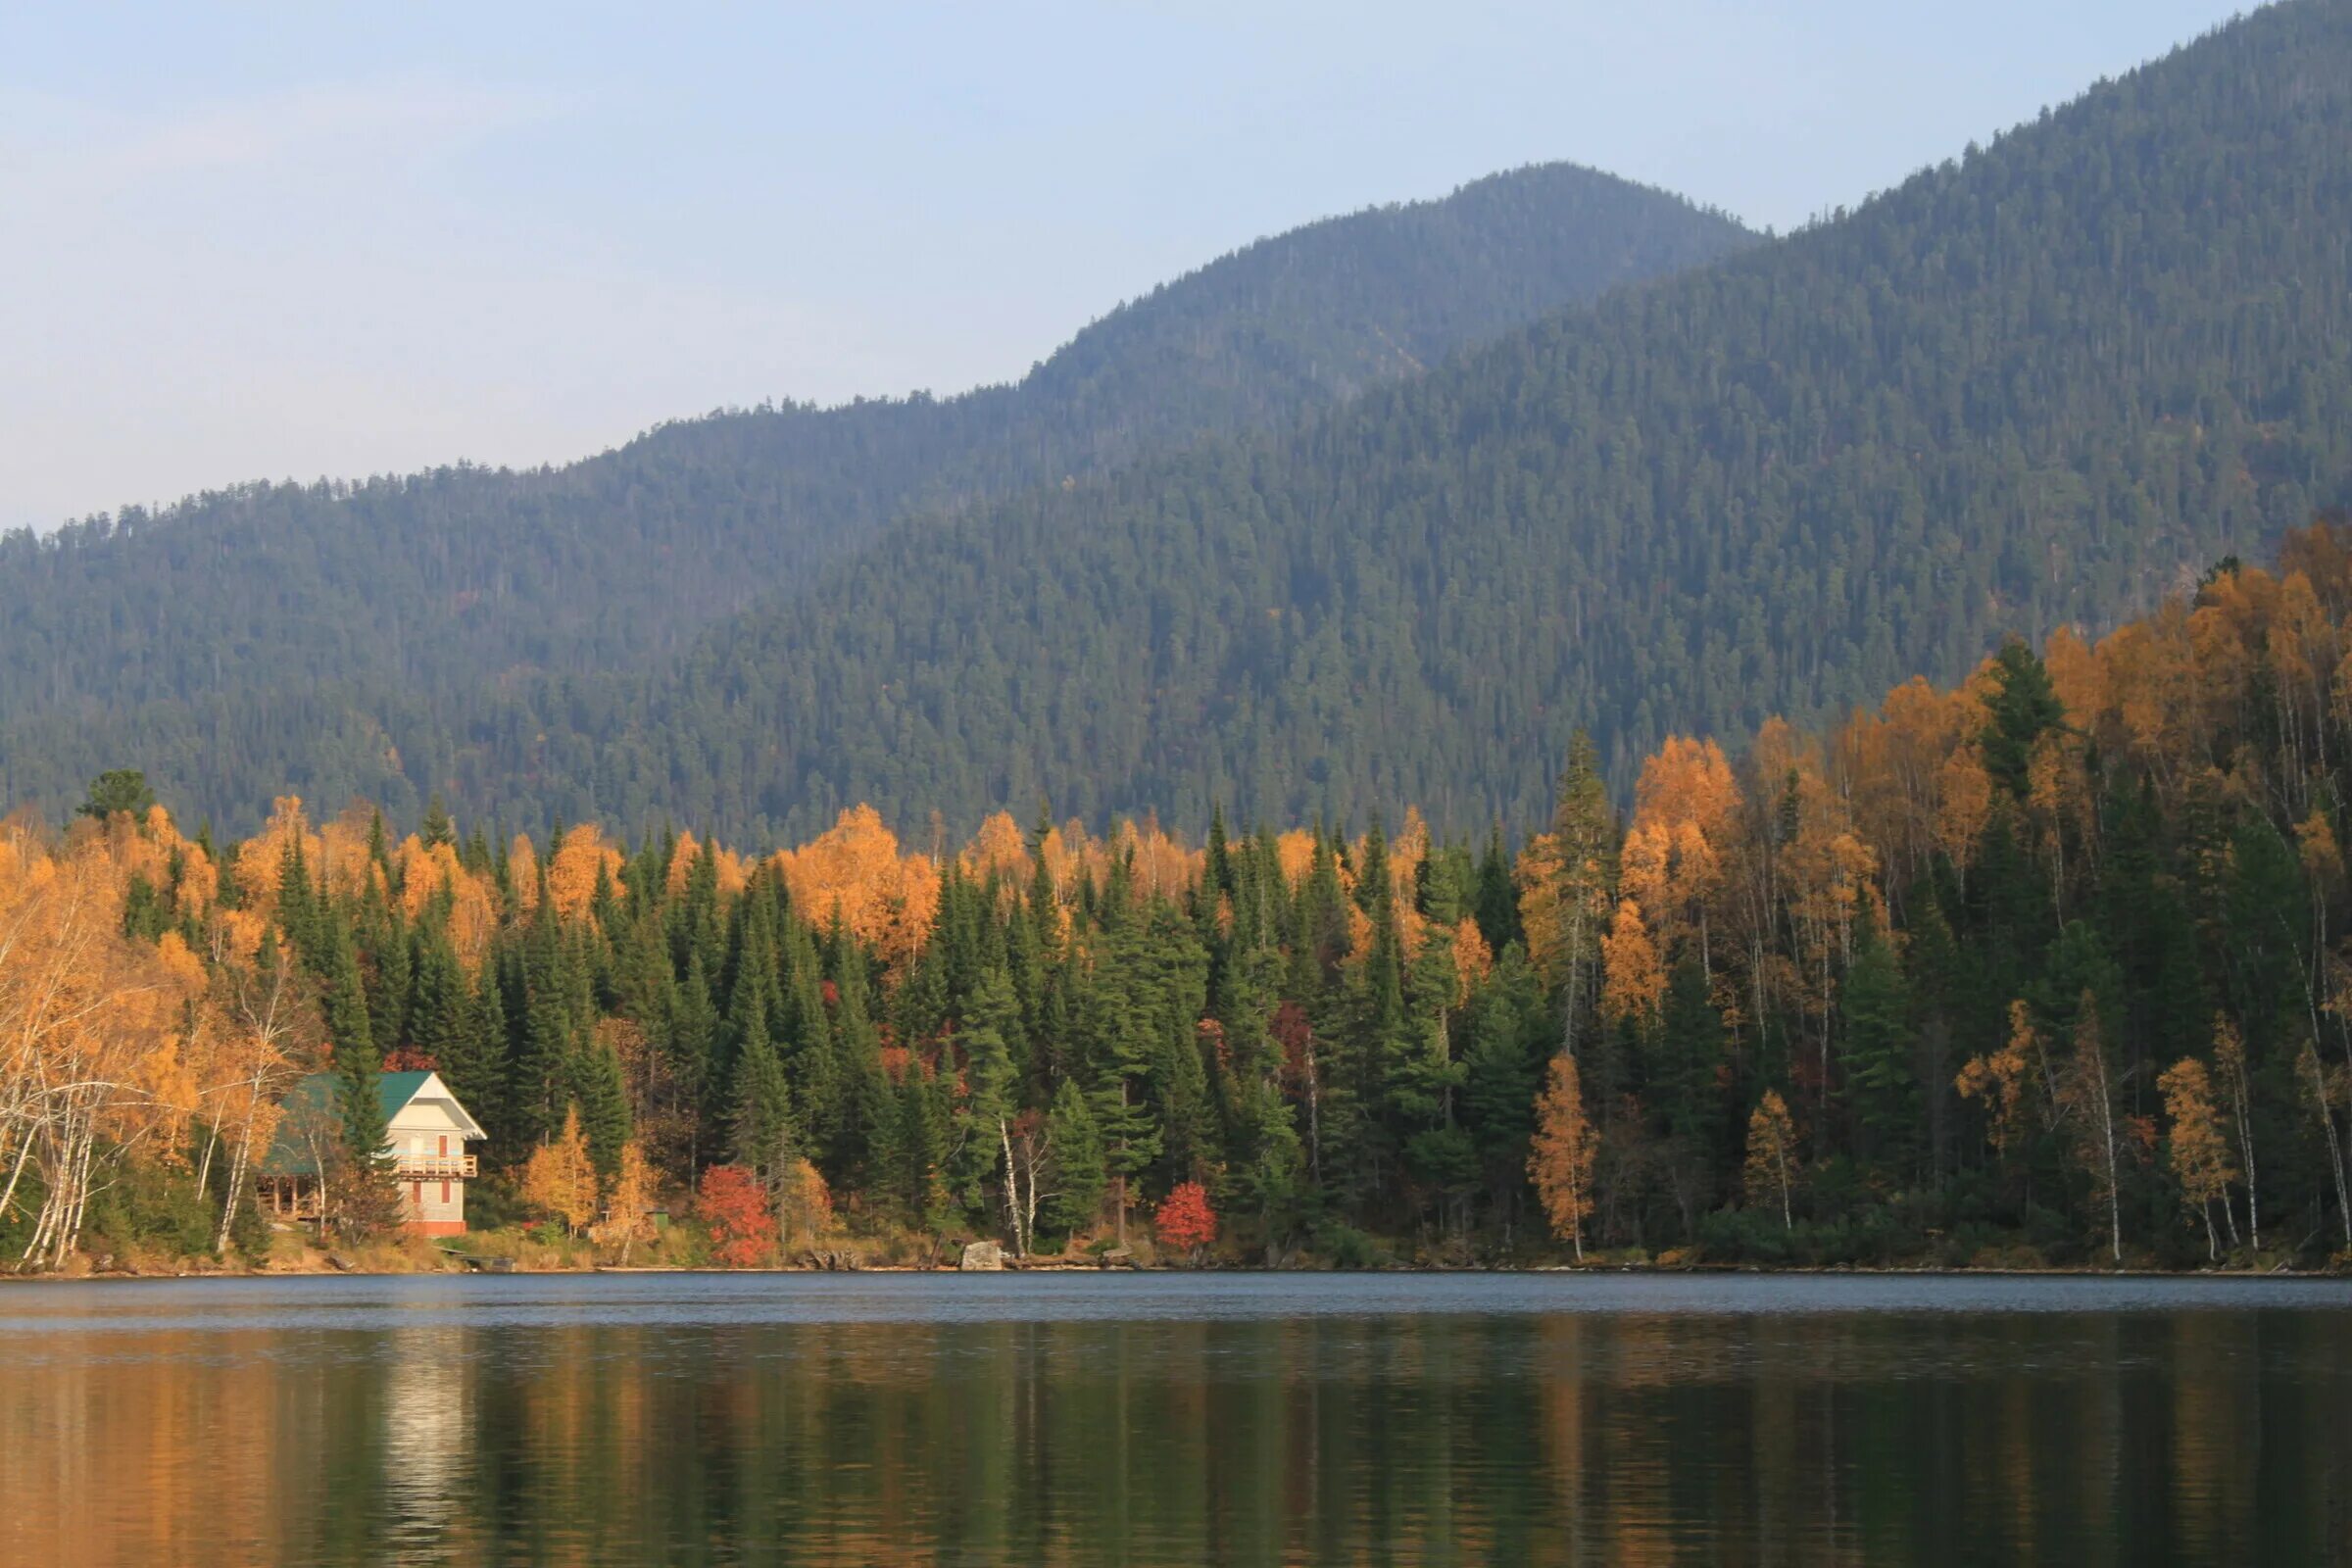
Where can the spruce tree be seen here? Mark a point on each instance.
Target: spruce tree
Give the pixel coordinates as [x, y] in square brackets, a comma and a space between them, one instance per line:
[1882, 1085]
[604, 1101]
[358, 1068]
[761, 1136]
[1078, 1163]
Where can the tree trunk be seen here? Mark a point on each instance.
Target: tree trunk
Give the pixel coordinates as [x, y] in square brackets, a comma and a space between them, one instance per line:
[2114, 1196]
[2336, 1160]
[1012, 1190]
[2245, 1144]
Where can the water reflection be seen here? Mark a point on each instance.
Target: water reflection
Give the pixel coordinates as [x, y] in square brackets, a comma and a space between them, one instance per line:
[428, 1423]
[625, 1420]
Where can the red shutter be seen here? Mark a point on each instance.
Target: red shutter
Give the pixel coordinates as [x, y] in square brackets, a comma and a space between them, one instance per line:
[445, 1192]
[445, 1145]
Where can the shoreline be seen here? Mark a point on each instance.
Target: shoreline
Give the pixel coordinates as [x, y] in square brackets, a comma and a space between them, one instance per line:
[1625, 1270]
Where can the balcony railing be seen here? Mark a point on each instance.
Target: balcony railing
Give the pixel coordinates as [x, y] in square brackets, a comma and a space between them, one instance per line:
[411, 1167]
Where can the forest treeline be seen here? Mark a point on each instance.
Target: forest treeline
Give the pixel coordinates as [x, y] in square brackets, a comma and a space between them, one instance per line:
[345, 639]
[2053, 965]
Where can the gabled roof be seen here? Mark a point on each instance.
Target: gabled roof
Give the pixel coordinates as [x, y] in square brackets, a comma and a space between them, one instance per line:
[400, 1089]
[311, 1107]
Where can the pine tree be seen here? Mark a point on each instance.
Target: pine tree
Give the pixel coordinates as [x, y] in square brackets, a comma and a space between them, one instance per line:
[357, 1066]
[992, 1090]
[761, 1134]
[438, 1026]
[604, 1103]
[479, 1074]
[2022, 708]
[1078, 1163]
[1882, 1085]
[1510, 1039]
[1569, 879]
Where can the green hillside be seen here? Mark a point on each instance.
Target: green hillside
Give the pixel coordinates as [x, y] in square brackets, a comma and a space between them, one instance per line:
[336, 636]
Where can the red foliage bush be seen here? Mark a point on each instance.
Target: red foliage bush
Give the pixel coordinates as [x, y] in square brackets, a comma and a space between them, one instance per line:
[1186, 1221]
[732, 1203]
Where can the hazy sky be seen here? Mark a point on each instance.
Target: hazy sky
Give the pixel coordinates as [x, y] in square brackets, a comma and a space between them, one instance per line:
[278, 240]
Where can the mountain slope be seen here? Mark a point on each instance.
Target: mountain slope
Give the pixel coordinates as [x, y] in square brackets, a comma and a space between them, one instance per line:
[280, 632]
[2033, 385]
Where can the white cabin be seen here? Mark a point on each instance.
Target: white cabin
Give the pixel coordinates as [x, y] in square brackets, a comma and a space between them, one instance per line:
[426, 1138]
[425, 1133]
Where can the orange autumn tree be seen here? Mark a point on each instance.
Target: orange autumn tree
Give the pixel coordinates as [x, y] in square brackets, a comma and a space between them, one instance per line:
[1163, 865]
[1000, 849]
[266, 1035]
[559, 1180]
[1673, 860]
[285, 838]
[1999, 1079]
[628, 1203]
[1801, 872]
[1562, 1159]
[2198, 1150]
[1566, 880]
[578, 865]
[803, 1204]
[1632, 980]
[1770, 1169]
[855, 872]
[97, 1032]
[432, 873]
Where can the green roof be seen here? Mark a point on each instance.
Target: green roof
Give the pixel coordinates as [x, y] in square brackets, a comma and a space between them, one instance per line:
[313, 1101]
[397, 1088]
[309, 1102]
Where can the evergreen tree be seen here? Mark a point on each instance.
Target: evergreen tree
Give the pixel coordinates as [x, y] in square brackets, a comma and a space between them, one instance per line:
[761, 1135]
[1078, 1163]
[2022, 707]
[603, 1102]
[1881, 1083]
[358, 1068]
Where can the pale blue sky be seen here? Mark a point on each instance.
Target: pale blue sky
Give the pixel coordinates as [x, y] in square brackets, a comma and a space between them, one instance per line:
[280, 240]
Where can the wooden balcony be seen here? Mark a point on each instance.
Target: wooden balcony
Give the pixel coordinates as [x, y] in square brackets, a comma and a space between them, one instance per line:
[433, 1167]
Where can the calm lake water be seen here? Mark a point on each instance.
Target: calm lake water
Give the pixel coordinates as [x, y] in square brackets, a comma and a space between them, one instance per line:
[1161, 1418]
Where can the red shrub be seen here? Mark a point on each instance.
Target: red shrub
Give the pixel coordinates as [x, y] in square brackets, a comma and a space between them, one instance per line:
[732, 1203]
[1186, 1221]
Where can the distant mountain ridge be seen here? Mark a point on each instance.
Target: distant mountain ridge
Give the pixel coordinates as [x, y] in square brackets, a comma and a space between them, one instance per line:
[2033, 385]
[281, 635]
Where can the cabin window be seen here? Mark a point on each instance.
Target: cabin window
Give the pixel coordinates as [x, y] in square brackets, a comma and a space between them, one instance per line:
[445, 1192]
[445, 1149]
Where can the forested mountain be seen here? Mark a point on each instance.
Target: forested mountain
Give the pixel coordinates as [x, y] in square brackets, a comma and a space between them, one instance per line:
[329, 635]
[2036, 384]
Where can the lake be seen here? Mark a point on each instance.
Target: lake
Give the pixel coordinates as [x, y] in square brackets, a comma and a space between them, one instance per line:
[1176, 1418]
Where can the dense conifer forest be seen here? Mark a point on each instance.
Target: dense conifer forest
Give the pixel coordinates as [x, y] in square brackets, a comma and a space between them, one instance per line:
[2052, 967]
[348, 638]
